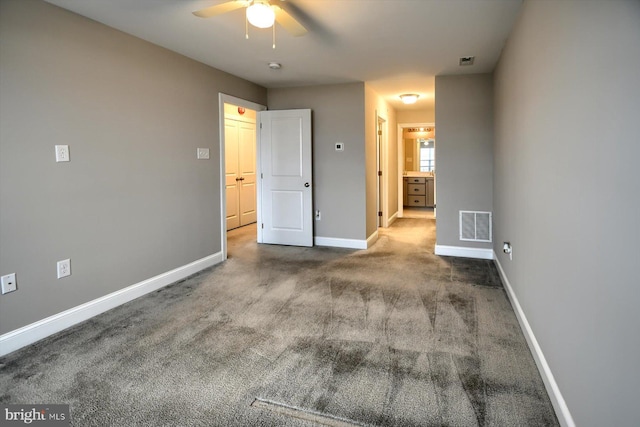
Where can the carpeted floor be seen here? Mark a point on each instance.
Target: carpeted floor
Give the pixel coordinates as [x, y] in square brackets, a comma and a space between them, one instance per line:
[299, 336]
[414, 212]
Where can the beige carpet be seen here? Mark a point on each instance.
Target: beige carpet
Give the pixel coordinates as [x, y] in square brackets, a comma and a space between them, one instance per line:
[413, 212]
[299, 336]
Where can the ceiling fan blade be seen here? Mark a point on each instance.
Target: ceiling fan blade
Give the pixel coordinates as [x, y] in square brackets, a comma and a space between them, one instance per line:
[288, 22]
[219, 9]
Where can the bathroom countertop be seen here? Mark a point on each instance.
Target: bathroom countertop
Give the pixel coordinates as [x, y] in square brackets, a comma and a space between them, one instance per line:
[420, 174]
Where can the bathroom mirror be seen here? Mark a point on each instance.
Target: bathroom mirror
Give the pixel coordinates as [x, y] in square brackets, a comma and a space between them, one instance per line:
[419, 149]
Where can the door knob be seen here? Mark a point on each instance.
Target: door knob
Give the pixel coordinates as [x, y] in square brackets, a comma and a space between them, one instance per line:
[306, 184]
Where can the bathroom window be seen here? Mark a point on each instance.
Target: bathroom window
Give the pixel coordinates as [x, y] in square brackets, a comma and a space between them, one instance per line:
[427, 155]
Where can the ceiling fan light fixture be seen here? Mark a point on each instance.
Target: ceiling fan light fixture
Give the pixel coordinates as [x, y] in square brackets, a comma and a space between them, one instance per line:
[261, 15]
[409, 98]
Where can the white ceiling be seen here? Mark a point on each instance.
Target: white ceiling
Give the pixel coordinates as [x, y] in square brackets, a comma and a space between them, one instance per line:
[396, 46]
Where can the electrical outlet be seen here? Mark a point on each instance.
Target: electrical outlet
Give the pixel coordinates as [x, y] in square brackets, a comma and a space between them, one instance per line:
[318, 215]
[508, 249]
[9, 283]
[203, 153]
[339, 146]
[64, 268]
[62, 153]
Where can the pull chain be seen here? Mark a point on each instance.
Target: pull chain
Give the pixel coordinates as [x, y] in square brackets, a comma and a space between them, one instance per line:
[274, 35]
[246, 26]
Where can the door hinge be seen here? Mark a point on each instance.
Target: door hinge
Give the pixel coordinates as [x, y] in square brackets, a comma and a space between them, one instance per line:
[379, 213]
[379, 173]
[379, 133]
[260, 125]
[262, 225]
[261, 176]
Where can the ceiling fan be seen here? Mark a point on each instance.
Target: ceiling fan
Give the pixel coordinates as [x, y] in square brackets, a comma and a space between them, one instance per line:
[260, 13]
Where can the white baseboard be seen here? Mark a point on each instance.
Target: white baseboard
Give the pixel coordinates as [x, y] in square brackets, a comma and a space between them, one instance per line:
[463, 252]
[372, 239]
[393, 219]
[336, 242]
[36, 331]
[558, 402]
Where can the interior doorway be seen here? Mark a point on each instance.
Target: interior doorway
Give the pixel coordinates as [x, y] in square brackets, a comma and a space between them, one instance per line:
[381, 182]
[417, 168]
[232, 103]
[240, 165]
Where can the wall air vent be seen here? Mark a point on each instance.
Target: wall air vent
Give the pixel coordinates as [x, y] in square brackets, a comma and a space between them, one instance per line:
[475, 226]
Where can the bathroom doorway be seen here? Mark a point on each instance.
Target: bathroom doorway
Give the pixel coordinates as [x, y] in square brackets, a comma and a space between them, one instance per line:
[416, 163]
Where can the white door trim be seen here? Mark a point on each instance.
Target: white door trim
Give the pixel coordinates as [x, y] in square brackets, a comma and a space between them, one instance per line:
[383, 165]
[229, 99]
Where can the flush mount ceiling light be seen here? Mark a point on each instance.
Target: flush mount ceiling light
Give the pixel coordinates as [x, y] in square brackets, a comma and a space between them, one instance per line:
[409, 98]
[275, 65]
[261, 15]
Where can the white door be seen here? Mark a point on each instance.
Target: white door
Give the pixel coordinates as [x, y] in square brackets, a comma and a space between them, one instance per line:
[240, 169]
[232, 181]
[285, 185]
[247, 169]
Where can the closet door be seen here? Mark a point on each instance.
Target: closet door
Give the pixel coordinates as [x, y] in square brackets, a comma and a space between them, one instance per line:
[247, 172]
[232, 184]
[240, 169]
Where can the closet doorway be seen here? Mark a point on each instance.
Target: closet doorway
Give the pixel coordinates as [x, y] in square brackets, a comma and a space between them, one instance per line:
[240, 165]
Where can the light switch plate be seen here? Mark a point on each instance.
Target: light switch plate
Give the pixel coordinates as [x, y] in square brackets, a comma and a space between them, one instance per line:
[203, 153]
[339, 146]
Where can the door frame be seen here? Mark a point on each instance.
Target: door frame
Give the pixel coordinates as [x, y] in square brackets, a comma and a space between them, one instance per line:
[401, 160]
[382, 180]
[223, 98]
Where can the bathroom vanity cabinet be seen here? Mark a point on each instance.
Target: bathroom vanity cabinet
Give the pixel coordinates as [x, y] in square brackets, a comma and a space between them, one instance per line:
[418, 191]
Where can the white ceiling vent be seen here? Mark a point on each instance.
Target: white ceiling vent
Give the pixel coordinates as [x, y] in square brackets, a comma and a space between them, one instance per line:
[475, 226]
[467, 60]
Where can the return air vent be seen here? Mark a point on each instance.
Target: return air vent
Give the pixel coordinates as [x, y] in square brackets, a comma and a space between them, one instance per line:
[475, 226]
[467, 60]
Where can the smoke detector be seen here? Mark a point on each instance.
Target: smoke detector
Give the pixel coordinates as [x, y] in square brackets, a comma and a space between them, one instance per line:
[275, 65]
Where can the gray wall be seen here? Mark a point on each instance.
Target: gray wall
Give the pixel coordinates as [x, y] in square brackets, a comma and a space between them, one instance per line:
[133, 202]
[464, 154]
[417, 116]
[338, 177]
[567, 195]
[371, 160]
[375, 106]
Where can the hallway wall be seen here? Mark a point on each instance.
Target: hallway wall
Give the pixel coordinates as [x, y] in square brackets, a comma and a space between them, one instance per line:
[375, 106]
[566, 196]
[417, 116]
[464, 153]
